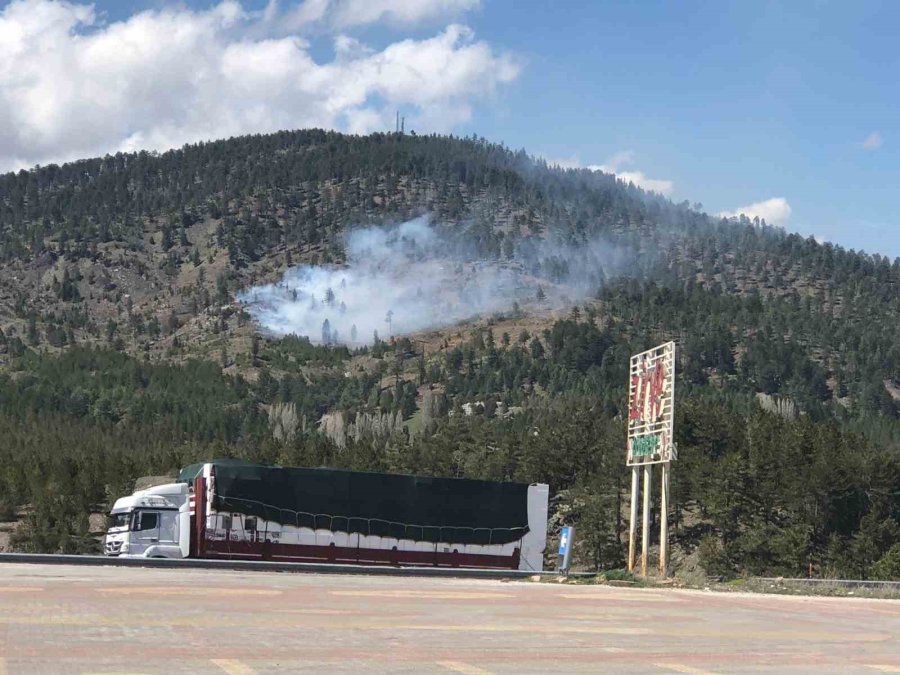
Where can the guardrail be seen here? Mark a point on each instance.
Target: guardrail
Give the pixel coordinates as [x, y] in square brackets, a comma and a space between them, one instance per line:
[843, 583]
[269, 566]
[384, 570]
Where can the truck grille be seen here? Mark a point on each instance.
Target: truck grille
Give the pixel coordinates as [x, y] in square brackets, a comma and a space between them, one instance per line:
[112, 547]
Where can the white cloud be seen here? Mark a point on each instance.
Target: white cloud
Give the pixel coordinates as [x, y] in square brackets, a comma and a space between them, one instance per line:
[300, 15]
[639, 178]
[662, 186]
[873, 141]
[358, 12]
[613, 164]
[342, 14]
[566, 162]
[72, 86]
[774, 211]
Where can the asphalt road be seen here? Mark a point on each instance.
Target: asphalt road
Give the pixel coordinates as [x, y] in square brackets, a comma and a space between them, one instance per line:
[61, 619]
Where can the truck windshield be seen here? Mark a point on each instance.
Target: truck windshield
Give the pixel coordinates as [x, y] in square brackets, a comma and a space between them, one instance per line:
[119, 520]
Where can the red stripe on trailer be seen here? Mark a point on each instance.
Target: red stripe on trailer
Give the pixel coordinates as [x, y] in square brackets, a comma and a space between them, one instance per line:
[198, 534]
[267, 550]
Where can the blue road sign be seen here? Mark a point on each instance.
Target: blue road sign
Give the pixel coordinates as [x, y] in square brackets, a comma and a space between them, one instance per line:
[564, 538]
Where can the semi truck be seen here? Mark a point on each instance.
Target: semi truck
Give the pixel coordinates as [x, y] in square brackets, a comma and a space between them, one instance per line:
[234, 510]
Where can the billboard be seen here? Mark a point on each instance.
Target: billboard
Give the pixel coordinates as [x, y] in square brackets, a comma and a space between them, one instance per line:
[651, 406]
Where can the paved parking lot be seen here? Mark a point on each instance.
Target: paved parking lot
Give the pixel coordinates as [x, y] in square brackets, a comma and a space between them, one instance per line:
[60, 619]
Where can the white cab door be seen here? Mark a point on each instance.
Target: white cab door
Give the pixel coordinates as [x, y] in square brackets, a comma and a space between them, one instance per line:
[146, 530]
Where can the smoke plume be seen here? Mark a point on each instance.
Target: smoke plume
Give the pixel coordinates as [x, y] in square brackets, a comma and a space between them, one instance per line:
[409, 278]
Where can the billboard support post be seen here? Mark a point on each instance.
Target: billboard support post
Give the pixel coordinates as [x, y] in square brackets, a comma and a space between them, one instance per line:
[651, 440]
[632, 524]
[645, 527]
[664, 520]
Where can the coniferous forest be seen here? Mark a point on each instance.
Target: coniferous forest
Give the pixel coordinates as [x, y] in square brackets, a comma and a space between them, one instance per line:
[125, 352]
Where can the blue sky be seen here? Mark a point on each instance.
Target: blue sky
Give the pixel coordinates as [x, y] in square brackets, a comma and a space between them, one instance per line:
[735, 103]
[726, 104]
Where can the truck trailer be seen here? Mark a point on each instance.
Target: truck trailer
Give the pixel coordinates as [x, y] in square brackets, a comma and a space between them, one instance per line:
[234, 510]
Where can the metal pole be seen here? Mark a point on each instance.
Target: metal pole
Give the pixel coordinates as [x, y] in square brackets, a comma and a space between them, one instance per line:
[632, 524]
[645, 531]
[664, 521]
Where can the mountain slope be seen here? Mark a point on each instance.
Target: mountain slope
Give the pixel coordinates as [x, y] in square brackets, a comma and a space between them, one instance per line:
[127, 249]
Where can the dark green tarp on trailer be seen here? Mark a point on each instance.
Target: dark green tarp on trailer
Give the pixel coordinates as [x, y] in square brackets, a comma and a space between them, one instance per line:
[405, 507]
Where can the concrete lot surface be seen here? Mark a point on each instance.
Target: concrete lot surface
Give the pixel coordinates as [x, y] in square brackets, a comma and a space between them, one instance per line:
[60, 619]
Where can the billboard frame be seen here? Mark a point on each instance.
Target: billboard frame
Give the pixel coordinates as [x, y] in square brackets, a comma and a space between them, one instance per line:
[651, 415]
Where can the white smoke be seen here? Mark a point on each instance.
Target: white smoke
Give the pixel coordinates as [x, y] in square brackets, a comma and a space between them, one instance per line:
[397, 280]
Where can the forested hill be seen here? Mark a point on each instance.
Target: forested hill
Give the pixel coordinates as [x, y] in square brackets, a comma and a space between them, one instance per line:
[123, 350]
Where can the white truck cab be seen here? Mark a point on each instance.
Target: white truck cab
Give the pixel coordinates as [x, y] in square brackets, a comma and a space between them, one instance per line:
[151, 523]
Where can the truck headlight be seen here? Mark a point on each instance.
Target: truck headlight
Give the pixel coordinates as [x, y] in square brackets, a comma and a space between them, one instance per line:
[124, 548]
